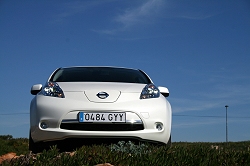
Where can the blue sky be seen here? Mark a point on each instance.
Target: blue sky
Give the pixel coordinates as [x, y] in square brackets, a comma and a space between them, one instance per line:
[200, 50]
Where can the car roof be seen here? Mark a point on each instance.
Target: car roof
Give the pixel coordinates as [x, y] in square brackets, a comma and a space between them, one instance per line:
[99, 66]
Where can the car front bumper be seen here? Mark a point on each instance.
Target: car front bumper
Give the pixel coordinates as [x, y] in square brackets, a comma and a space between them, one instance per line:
[53, 112]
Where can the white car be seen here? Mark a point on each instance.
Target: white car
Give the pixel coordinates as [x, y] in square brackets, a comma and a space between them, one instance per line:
[99, 102]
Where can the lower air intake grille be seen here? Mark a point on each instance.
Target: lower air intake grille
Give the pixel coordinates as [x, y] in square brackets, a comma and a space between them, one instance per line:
[101, 127]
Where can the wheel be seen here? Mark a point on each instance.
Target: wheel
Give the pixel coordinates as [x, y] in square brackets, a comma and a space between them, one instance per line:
[34, 147]
[169, 142]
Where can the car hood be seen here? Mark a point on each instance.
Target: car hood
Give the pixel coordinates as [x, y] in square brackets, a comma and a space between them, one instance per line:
[101, 91]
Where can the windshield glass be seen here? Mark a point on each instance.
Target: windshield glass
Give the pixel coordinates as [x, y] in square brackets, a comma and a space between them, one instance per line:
[99, 74]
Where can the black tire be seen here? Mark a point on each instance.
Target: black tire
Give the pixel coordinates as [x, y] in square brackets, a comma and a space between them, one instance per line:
[34, 147]
[169, 144]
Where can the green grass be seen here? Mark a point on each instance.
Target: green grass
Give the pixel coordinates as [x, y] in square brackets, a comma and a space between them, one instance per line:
[127, 153]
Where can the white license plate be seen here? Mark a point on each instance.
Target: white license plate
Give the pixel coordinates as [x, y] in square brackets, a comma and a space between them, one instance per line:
[102, 117]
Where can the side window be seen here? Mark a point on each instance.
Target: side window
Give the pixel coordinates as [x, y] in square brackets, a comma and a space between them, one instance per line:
[58, 76]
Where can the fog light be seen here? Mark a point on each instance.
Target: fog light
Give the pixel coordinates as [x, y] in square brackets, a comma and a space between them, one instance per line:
[159, 126]
[43, 125]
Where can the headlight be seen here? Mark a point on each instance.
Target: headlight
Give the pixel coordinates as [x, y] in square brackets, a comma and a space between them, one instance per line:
[52, 89]
[150, 91]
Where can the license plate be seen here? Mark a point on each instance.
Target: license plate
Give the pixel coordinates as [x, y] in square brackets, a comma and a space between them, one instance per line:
[102, 117]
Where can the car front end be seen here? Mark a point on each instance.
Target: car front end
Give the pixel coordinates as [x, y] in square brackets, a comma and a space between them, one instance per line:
[63, 110]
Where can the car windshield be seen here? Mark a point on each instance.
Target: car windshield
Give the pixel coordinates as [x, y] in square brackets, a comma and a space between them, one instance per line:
[99, 74]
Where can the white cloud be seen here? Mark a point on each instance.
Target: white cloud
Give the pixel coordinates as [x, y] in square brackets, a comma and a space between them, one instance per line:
[141, 14]
[193, 10]
[218, 90]
[75, 7]
[16, 120]
[146, 13]
[193, 104]
[198, 122]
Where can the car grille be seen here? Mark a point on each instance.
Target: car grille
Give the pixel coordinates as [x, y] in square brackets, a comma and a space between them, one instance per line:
[101, 126]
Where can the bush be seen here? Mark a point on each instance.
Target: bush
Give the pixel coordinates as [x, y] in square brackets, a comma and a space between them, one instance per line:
[9, 144]
[128, 153]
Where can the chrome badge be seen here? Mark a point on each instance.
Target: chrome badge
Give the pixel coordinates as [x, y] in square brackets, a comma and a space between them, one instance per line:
[102, 95]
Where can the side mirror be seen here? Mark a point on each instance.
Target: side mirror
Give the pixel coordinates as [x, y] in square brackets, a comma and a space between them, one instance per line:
[164, 91]
[36, 89]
